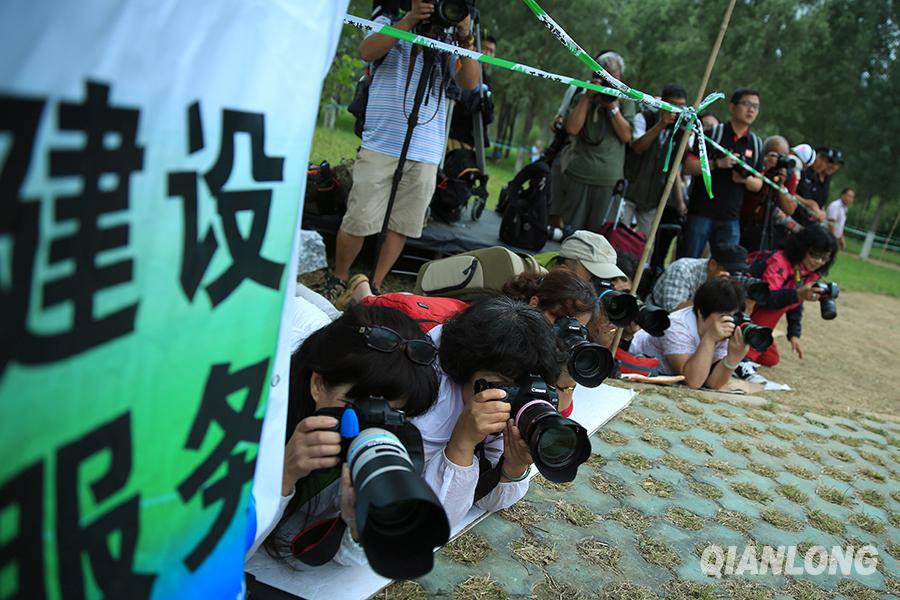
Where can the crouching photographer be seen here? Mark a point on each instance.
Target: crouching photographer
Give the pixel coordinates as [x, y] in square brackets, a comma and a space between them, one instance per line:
[704, 343]
[495, 412]
[792, 275]
[352, 487]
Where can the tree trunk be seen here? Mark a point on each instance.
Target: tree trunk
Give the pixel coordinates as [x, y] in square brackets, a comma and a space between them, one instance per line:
[870, 235]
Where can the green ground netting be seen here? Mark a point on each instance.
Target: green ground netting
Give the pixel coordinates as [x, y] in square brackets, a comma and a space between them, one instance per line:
[670, 476]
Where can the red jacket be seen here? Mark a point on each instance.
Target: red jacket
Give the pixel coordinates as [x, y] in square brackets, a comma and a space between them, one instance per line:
[783, 279]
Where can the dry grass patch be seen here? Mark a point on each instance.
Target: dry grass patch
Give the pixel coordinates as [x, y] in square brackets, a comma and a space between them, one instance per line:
[672, 422]
[685, 589]
[553, 486]
[612, 437]
[535, 551]
[782, 434]
[872, 458]
[655, 440]
[679, 464]
[657, 552]
[804, 590]
[872, 498]
[792, 493]
[721, 467]
[800, 472]
[706, 490]
[872, 475]
[751, 492]
[824, 522]
[847, 440]
[807, 453]
[684, 407]
[762, 470]
[697, 445]
[867, 523]
[576, 514]
[656, 405]
[634, 461]
[857, 591]
[744, 589]
[599, 553]
[737, 447]
[682, 517]
[816, 437]
[596, 461]
[761, 416]
[655, 487]
[479, 588]
[838, 474]
[469, 548]
[611, 486]
[835, 496]
[892, 549]
[747, 429]
[841, 455]
[781, 520]
[894, 518]
[633, 417]
[735, 520]
[523, 513]
[630, 518]
[625, 590]
[773, 450]
[553, 589]
[402, 590]
[713, 426]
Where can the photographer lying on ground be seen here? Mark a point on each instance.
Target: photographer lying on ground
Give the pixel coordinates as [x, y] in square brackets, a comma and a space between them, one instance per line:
[791, 274]
[369, 351]
[702, 342]
[467, 433]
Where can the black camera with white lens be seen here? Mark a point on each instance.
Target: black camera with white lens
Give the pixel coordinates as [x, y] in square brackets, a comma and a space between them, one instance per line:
[400, 520]
[557, 444]
[589, 363]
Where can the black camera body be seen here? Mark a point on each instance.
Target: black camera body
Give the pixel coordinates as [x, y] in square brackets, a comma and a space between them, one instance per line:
[741, 170]
[589, 363]
[400, 520]
[557, 444]
[753, 288]
[784, 162]
[758, 337]
[621, 308]
[828, 294]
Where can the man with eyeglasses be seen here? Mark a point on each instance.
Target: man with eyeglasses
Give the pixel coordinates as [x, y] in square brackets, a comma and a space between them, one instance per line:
[717, 220]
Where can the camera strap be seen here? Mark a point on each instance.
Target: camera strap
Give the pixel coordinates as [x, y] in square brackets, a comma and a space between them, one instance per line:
[488, 475]
[318, 543]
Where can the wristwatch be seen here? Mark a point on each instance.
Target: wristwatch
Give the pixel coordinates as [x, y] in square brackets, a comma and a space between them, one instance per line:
[613, 111]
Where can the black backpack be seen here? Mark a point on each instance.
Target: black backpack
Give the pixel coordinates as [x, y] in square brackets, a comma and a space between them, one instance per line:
[526, 205]
[459, 180]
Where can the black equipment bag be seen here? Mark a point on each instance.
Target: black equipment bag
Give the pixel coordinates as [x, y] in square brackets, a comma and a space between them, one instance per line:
[526, 205]
[327, 189]
[459, 180]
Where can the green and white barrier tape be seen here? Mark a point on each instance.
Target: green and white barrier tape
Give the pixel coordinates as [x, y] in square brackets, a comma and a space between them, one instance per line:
[687, 115]
[427, 42]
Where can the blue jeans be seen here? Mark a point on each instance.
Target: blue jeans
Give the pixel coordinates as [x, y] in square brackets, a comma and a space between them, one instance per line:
[699, 230]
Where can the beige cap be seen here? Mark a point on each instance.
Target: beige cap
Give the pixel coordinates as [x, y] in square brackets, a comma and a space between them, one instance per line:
[594, 252]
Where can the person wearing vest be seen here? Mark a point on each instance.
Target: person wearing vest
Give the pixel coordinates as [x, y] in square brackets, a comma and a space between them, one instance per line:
[717, 219]
[791, 273]
[644, 162]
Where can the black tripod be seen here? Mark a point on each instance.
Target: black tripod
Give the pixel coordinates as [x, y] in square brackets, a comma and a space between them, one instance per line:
[429, 56]
[767, 233]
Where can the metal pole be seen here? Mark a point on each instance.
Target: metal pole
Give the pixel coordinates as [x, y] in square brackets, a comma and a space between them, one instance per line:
[676, 162]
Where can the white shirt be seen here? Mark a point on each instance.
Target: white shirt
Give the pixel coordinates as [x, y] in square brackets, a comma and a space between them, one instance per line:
[837, 217]
[681, 337]
[455, 485]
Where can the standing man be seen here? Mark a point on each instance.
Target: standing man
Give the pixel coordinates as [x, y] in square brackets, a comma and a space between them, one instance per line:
[645, 159]
[717, 220]
[594, 160]
[390, 101]
[469, 103]
[837, 215]
[815, 182]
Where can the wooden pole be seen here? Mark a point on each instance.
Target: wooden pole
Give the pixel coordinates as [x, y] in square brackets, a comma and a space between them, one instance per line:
[676, 162]
[887, 240]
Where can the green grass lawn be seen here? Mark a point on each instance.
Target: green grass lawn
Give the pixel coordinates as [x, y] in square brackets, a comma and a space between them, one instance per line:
[852, 273]
[855, 247]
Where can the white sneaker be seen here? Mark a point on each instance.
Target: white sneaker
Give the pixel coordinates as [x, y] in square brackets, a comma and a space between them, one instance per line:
[747, 371]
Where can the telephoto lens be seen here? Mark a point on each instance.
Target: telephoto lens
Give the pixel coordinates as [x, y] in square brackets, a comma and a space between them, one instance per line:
[400, 520]
[757, 337]
[829, 293]
[557, 444]
[621, 308]
[653, 319]
[755, 289]
[589, 363]
[449, 13]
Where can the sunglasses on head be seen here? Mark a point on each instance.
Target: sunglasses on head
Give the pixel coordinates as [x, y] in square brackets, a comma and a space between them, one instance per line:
[385, 339]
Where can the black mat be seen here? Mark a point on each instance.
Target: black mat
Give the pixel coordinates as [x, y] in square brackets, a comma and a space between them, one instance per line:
[441, 239]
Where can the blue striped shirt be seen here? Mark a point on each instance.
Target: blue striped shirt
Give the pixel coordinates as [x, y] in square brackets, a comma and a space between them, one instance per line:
[385, 126]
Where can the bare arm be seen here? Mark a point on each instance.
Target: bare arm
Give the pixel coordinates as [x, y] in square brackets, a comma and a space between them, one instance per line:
[576, 118]
[692, 166]
[620, 124]
[376, 46]
[695, 367]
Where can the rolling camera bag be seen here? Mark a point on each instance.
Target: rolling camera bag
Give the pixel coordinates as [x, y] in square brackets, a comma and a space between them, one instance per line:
[459, 180]
[621, 237]
[485, 268]
[526, 206]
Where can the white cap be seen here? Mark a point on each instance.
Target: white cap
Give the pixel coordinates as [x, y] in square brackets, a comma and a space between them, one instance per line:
[805, 153]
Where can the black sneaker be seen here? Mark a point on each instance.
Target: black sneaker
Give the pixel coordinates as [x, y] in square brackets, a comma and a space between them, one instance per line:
[332, 288]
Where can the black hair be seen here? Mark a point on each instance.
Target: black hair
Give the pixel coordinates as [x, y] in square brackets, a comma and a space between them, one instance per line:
[627, 263]
[812, 238]
[489, 38]
[845, 190]
[673, 90]
[719, 295]
[708, 113]
[741, 92]
[561, 293]
[338, 352]
[501, 335]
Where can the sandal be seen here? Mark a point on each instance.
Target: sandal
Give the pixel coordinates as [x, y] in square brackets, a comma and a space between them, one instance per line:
[346, 297]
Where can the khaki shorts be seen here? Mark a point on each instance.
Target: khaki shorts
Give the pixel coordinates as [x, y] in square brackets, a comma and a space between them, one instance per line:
[372, 176]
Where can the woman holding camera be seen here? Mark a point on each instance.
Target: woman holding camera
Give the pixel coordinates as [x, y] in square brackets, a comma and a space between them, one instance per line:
[474, 453]
[368, 351]
[791, 274]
